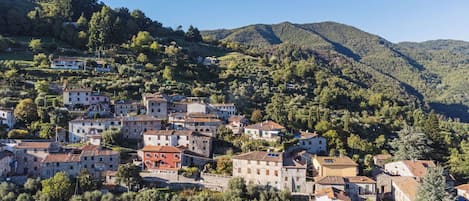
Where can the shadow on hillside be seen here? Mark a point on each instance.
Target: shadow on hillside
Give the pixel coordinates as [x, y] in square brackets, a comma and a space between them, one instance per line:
[454, 110]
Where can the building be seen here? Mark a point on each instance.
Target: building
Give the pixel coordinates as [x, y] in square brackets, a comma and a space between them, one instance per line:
[7, 118]
[30, 154]
[156, 158]
[331, 194]
[463, 192]
[127, 108]
[206, 124]
[191, 140]
[80, 129]
[68, 63]
[357, 188]
[409, 168]
[267, 130]
[93, 158]
[237, 123]
[133, 127]
[224, 110]
[156, 105]
[334, 166]
[83, 96]
[311, 143]
[404, 188]
[259, 168]
[197, 107]
[381, 159]
[6, 163]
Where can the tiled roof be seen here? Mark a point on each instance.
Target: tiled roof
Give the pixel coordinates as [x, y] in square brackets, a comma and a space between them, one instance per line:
[333, 193]
[163, 149]
[382, 156]
[266, 126]
[79, 90]
[169, 132]
[330, 180]
[236, 118]
[96, 150]
[222, 104]
[98, 120]
[201, 115]
[204, 120]
[141, 118]
[308, 134]
[360, 179]
[408, 186]
[463, 187]
[335, 161]
[418, 167]
[33, 145]
[261, 156]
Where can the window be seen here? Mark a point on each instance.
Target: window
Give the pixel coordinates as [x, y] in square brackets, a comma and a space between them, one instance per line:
[71, 167]
[239, 170]
[258, 171]
[276, 172]
[320, 142]
[286, 178]
[92, 158]
[86, 158]
[148, 155]
[57, 164]
[100, 159]
[267, 172]
[249, 170]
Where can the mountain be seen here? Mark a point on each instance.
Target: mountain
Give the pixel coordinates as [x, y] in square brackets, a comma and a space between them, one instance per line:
[423, 68]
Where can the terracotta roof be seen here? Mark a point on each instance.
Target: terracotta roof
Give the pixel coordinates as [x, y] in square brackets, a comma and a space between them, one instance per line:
[333, 161]
[308, 134]
[261, 156]
[418, 167]
[333, 193]
[141, 118]
[79, 90]
[222, 104]
[407, 185]
[330, 180]
[360, 179]
[463, 187]
[163, 149]
[169, 132]
[205, 120]
[125, 102]
[201, 115]
[382, 156]
[266, 125]
[156, 99]
[62, 158]
[236, 118]
[110, 173]
[33, 145]
[96, 150]
[98, 120]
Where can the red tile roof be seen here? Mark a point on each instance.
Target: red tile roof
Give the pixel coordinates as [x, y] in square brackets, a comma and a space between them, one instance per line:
[418, 167]
[360, 179]
[330, 180]
[62, 158]
[162, 149]
[408, 186]
[261, 156]
[33, 145]
[333, 193]
[169, 132]
[266, 126]
[463, 187]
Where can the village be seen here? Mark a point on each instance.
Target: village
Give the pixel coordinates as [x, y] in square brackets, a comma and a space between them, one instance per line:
[175, 138]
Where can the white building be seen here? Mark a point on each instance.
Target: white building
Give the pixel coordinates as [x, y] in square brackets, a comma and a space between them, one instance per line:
[156, 105]
[80, 129]
[271, 169]
[311, 143]
[224, 110]
[237, 123]
[409, 168]
[267, 130]
[7, 118]
[404, 188]
[463, 192]
[190, 140]
[197, 107]
[68, 63]
[83, 96]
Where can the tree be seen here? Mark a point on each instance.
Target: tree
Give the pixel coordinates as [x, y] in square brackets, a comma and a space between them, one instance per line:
[86, 181]
[100, 29]
[47, 131]
[168, 73]
[35, 45]
[26, 111]
[433, 186]
[153, 194]
[41, 60]
[236, 189]
[24, 197]
[193, 34]
[225, 166]
[256, 116]
[82, 22]
[129, 174]
[142, 40]
[432, 129]
[459, 160]
[32, 185]
[58, 187]
[142, 58]
[112, 136]
[42, 86]
[411, 145]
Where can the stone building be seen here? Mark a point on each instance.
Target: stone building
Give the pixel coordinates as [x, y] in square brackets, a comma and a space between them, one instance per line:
[7, 118]
[133, 127]
[191, 140]
[30, 154]
[80, 129]
[156, 105]
[126, 108]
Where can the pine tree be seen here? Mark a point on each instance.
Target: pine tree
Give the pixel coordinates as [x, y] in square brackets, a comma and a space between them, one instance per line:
[411, 145]
[433, 186]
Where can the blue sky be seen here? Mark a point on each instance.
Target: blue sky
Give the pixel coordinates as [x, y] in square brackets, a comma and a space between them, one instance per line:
[395, 20]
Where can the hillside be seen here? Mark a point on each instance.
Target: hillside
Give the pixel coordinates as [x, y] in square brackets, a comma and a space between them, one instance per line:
[417, 66]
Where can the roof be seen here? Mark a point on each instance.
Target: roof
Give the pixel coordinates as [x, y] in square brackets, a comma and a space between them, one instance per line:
[33, 145]
[360, 179]
[121, 102]
[141, 118]
[261, 156]
[382, 156]
[330, 180]
[78, 90]
[169, 132]
[407, 185]
[223, 104]
[463, 187]
[62, 158]
[82, 120]
[162, 149]
[333, 193]
[335, 161]
[236, 118]
[205, 120]
[96, 150]
[418, 168]
[201, 115]
[266, 125]
[156, 99]
[308, 134]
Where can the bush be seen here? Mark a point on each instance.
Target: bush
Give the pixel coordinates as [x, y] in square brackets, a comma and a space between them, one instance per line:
[41, 60]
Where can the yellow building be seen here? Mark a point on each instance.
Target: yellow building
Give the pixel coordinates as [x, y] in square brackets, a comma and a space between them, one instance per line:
[334, 166]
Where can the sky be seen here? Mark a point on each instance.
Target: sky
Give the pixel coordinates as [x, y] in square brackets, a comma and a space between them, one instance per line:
[394, 20]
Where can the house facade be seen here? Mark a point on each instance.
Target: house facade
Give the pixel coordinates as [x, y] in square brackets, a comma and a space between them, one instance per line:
[267, 130]
[156, 105]
[68, 63]
[191, 140]
[133, 127]
[334, 166]
[30, 154]
[126, 108]
[83, 96]
[80, 129]
[7, 118]
[237, 123]
[6, 162]
[157, 158]
[224, 110]
[311, 143]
